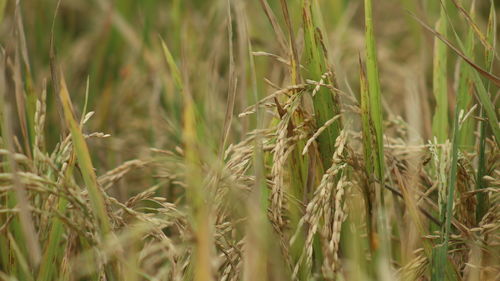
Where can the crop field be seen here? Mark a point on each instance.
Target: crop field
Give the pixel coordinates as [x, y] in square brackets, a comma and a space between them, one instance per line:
[253, 140]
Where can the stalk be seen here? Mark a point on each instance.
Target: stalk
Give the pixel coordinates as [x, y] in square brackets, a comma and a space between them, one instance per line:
[375, 130]
[88, 173]
[368, 145]
[440, 132]
[482, 202]
[439, 82]
[465, 91]
[325, 102]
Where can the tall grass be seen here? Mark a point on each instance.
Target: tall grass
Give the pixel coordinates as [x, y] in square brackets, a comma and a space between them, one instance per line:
[249, 140]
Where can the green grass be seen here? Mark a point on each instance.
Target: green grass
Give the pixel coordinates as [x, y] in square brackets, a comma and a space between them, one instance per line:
[482, 198]
[326, 104]
[440, 80]
[373, 144]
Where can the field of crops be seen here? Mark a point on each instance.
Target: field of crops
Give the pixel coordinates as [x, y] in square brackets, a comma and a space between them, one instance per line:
[251, 140]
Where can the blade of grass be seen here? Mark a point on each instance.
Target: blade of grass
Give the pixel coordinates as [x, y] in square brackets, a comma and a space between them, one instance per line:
[89, 177]
[325, 102]
[440, 125]
[441, 255]
[176, 74]
[20, 227]
[53, 253]
[374, 92]
[14, 65]
[298, 163]
[482, 202]
[382, 254]
[441, 267]
[368, 141]
[202, 260]
[368, 144]
[440, 82]
[465, 90]
[23, 227]
[28, 81]
[488, 106]
[84, 161]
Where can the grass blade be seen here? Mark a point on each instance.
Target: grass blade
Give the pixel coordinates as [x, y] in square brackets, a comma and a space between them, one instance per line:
[465, 92]
[369, 143]
[482, 202]
[377, 147]
[176, 74]
[325, 102]
[374, 93]
[440, 82]
[84, 161]
[89, 177]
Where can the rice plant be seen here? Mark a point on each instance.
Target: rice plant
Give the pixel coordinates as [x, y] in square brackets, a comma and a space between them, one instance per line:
[249, 140]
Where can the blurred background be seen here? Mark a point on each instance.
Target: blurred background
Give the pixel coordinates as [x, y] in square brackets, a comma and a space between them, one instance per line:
[115, 45]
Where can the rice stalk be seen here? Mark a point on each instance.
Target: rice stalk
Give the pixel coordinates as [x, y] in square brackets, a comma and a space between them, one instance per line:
[382, 254]
[325, 102]
[85, 163]
[465, 90]
[440, 80]
[483, 96]
[482, 204]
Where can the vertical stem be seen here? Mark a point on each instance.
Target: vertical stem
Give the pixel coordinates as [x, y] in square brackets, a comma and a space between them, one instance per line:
[378, 145]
